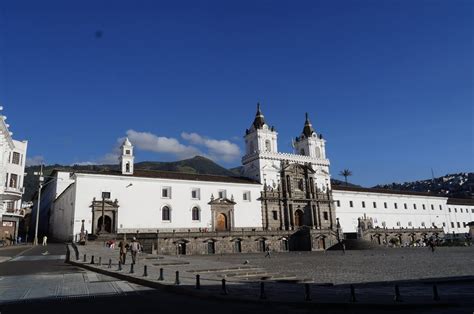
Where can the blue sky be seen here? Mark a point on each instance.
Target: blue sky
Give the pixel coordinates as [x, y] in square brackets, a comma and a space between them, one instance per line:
[388, 83]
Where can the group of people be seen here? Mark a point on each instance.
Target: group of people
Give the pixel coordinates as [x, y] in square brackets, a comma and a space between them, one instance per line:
[134, 247]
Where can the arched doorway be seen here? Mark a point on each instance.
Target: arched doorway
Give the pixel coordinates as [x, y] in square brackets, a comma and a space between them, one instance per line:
[221, 222]
[107, 226]
[298, 218]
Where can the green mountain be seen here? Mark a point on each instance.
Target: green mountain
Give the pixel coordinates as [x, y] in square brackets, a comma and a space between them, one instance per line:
[198, 164]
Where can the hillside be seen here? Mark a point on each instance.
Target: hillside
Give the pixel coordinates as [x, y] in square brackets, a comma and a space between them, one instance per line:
[460, 185]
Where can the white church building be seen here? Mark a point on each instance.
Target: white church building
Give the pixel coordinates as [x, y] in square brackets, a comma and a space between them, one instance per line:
[281, 198]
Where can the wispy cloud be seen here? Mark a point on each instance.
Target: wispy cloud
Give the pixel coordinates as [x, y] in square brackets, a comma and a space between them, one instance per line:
[34, 161]
[217, 149]
[196, 144]
[160, 144]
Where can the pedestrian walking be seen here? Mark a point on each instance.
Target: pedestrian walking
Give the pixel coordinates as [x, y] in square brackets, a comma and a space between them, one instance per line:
[45, 240]
[123, 247]
[267, 251]
[135, 247]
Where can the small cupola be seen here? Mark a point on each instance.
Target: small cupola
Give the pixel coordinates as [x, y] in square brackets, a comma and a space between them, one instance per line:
[127, 158]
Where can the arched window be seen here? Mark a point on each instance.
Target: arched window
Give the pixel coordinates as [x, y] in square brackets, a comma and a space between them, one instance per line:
[318, 152]
[196, 214]
[268, 146]
[302, 151]
[166, 213]
[127, 167]
[251, 148]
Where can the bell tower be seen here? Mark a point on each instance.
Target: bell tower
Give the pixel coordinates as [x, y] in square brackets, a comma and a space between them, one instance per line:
[309, 143]
[260, 140]
[126, 159]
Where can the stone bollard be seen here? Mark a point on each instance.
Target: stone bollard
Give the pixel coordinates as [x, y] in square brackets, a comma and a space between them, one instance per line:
[110, 263]
[161, 277]
[397, 297]
[198, 281]
[307, 292]
[119, 266]
[85, 257]
[435, 293]
[263, 295]
[353, 295]
[176, 281]
[92, 260]
[131, 269]
[224, 287]
[100, 261]
[68, 254]
[145, 271]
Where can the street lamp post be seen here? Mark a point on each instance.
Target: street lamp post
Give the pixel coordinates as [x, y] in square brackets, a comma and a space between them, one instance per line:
[41, 179]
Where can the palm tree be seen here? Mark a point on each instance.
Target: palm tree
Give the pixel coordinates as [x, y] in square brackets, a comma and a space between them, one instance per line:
[345, 173]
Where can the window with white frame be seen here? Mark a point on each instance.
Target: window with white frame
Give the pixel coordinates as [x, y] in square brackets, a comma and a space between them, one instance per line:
[166, 213]
[196, 194]
[432, 207]
[414, 206]
[422, 224]
[196, 213]
[222, 194]
[16, 158]
[166, 192]
[351, 204]
[375, 204]
[338, 203]
[13, 181]
[246, 196]
[398, 223]
[395, 205]
[409, 224]
[385, 204]
[423, 205]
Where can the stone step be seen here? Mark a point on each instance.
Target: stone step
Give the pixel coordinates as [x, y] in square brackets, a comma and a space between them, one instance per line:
[227, 269]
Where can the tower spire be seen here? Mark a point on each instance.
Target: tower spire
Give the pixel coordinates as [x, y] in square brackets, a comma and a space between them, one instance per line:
[259, 121]
[308, 127]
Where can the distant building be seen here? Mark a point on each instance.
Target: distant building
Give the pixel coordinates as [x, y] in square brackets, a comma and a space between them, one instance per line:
[12, 169]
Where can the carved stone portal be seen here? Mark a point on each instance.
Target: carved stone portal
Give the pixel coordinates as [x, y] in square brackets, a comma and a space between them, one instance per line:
[222, 210]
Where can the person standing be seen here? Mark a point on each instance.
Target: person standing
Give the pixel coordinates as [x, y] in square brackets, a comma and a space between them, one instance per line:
[135, 247]
[45, 240]
[123, 251]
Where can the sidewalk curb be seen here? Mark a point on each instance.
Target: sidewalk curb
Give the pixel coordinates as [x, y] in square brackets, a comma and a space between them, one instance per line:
[190, 291]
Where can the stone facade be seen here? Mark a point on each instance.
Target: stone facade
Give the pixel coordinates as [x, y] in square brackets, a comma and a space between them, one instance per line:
[200, 243]
[396, 236]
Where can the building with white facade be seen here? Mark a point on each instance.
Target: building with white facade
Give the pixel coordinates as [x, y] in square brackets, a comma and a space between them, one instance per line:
[12, 169]
[282, 199]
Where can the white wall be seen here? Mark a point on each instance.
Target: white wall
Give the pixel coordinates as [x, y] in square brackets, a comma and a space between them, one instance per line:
[62, 216]
[459, 216]
[400, 217]
[140, 204]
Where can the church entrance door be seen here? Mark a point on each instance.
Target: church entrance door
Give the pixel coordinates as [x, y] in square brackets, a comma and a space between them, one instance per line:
[221, 223]
[298, 218]
[107, 226]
